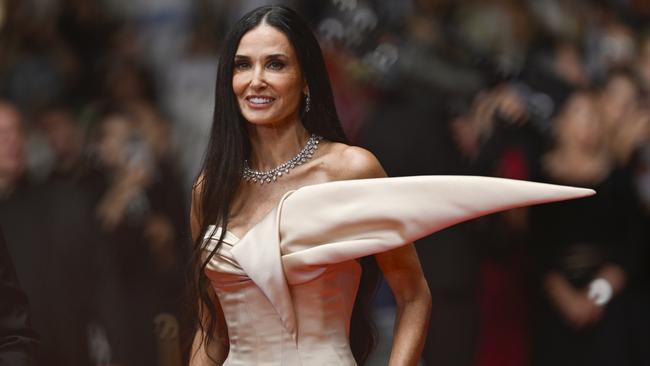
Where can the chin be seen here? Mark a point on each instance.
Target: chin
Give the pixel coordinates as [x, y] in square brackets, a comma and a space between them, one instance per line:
[261, 119]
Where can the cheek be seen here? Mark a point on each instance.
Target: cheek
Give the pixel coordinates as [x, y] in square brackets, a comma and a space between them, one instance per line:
[238, 84]
[290, 87]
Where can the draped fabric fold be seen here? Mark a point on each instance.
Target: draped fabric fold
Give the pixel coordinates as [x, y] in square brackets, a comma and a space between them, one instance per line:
[263, 264]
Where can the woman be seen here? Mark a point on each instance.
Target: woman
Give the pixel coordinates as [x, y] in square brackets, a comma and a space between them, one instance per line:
[275, 243]
[584, 249]
[272, 83]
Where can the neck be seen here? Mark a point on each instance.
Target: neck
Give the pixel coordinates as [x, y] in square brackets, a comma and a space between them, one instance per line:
[273, 145]
[66, 163]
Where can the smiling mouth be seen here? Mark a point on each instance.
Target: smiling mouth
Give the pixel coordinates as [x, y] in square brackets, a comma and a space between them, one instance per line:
[259, 100]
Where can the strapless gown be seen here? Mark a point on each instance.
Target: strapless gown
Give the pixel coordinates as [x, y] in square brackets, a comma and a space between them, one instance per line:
[287, 287]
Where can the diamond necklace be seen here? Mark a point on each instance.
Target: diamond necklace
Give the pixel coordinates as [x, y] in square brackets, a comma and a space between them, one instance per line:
[272, 175]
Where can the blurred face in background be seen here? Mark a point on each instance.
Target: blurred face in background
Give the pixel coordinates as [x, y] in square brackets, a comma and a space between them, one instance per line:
[618, 98]
[579, 124]
[112, 146]
[64, 136]
[125, 83]
[11, 142]
[267, 80]
[568, 64]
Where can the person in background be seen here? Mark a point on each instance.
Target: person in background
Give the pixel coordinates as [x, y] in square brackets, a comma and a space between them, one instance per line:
[584, 250]
[50, 239]
[65, 138]
[138, 238]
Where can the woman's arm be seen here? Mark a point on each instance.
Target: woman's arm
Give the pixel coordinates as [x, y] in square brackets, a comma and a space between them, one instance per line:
[218, 349]
[403, 273]
[575, 305]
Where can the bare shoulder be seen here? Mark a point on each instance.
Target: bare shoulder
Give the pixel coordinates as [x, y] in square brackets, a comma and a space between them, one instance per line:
[353, 162]
[197, 187]
[197, 193]
[195, 207]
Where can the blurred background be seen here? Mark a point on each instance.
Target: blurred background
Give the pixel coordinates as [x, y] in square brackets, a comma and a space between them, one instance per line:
[105, 109]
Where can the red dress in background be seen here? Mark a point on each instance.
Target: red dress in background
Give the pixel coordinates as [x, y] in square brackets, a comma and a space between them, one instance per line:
[503, 297]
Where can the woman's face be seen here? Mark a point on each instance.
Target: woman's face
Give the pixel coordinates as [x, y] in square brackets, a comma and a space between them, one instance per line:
[618, 98]
[267, 80]
[580, 123]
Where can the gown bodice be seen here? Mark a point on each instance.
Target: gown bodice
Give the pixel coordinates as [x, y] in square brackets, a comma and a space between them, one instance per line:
[323, 308]
[287, 287]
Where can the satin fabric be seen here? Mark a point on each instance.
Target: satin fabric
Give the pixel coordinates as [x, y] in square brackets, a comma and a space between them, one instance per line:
[256, 333]
[287, 287]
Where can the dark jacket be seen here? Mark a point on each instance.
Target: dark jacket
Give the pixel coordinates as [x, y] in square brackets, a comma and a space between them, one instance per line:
[18, 341]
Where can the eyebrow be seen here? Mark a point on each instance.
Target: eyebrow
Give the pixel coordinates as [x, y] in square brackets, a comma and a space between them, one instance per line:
[271, 56]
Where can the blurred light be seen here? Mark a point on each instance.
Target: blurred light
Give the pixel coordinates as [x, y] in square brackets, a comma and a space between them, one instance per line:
[382, 57]
[619, 48]
[365, 19]
[344, 5]
[331, 29]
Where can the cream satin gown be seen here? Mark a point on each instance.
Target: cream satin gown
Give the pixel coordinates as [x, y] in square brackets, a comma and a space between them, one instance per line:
[287, 287]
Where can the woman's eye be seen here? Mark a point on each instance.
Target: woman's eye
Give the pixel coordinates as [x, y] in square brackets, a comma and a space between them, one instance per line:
[242, 65]
[275, 65]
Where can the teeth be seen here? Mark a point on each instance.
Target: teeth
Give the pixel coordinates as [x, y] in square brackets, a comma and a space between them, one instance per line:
[260, 100]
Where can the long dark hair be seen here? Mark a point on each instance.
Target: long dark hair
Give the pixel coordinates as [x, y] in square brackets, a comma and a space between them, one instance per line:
[229, 146]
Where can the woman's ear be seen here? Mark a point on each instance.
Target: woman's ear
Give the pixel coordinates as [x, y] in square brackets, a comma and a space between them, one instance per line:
[305, 89]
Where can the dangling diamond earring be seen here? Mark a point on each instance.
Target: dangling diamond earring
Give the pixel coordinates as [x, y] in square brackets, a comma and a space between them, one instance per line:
[307, 101]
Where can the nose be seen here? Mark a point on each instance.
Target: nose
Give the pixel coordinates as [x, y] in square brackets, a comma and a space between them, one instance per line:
[258, 80]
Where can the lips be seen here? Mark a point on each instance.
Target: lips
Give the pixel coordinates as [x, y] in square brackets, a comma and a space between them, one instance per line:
[259, 100]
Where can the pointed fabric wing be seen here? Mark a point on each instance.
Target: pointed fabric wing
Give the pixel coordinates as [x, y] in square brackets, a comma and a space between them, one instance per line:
[339, 221]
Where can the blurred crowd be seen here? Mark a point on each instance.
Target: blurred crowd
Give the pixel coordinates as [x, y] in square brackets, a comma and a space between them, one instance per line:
[105, 108]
